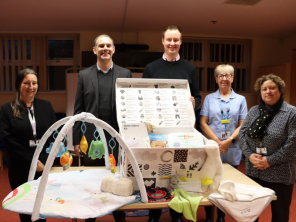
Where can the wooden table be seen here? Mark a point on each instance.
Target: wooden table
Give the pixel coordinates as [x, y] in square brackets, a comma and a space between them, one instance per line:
[230, 173]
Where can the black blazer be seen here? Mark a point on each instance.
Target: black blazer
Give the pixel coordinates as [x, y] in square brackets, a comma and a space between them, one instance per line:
[87, 97]
[16, 133]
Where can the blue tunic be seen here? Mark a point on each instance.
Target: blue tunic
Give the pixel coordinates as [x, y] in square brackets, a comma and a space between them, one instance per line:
[238, 111]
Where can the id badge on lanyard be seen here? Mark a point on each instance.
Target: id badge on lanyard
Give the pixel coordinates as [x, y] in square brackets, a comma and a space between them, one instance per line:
[261, 150]
[33, 143]
[225, 120]
[225, 135]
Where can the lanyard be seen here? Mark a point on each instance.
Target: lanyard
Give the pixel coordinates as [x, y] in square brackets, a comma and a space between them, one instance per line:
[32, 121]
[225, 117]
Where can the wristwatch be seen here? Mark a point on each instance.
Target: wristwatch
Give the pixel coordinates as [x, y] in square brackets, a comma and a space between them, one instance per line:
[232, 140]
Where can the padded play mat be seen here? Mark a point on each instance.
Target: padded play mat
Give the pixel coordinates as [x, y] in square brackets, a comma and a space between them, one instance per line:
[73, 194]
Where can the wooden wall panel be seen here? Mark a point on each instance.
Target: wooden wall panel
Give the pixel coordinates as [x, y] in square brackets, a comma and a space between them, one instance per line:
[283, 71]
[293, 80]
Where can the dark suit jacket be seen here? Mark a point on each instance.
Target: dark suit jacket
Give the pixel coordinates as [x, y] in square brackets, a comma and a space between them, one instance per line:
[87, 98]
[17, 133]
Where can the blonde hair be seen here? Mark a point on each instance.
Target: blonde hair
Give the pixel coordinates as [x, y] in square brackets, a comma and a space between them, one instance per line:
[224, 68]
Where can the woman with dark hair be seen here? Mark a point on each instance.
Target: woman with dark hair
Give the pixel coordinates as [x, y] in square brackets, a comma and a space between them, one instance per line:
[267, 139]
[23, 123]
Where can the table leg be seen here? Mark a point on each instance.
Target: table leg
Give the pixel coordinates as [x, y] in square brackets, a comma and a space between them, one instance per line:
[214, 213]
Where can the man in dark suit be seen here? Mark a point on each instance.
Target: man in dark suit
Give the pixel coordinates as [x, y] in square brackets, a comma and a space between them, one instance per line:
[96, 94]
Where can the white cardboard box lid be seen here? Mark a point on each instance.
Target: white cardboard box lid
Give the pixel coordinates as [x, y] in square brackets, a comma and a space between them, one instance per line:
[162, 102]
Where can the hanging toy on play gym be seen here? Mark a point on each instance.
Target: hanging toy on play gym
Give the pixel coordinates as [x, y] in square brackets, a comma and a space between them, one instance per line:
[96, 149]
[83, 142]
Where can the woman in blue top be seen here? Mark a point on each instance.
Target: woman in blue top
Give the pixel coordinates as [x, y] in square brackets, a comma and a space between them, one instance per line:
[221, 116]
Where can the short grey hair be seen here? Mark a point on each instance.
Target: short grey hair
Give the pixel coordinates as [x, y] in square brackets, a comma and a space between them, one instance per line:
[103, 35]
[224, 68]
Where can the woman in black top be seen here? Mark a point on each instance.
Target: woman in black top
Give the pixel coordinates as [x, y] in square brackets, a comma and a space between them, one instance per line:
[23, 123]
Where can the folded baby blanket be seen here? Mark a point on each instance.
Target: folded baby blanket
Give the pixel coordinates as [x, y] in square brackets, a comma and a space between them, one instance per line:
[186, 203]
[241, 202]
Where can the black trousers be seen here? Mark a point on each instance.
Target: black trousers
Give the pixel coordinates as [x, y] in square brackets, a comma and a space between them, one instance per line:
[16, 178]
[208, 211]
[119, 216]
[280, 208]
[155, 214]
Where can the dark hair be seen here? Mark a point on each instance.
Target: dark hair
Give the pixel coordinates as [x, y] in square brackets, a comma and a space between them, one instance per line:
[172, 27]
[276, 79]
[17, 105]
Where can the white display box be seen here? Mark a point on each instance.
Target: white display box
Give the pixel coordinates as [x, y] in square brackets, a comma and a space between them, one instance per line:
[162, 102]
[165, 104]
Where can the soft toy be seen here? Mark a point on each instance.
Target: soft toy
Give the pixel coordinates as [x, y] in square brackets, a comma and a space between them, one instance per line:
[150, 127]
[66, 160]
[96, 149]
[62, 149]
[83, 144]
[112, 162]
[121, 187]
[174, 180]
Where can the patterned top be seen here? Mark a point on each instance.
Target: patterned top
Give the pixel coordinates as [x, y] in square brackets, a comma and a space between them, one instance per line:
[280, 142]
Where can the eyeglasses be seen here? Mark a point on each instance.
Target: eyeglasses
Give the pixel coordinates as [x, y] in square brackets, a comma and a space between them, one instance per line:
[227, 76]
[28, 84]
[107, 45]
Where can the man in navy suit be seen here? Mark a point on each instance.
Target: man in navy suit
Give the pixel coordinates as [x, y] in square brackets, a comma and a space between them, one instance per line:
[96, 94]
